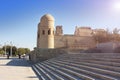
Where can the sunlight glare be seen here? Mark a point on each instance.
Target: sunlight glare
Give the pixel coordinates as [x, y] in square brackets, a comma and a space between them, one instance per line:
[116, 6]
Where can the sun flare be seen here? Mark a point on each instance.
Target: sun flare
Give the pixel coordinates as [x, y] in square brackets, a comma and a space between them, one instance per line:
[116, 6]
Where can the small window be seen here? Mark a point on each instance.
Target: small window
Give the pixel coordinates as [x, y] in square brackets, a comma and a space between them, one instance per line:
[38, 35]
[49, 32]
[43, 32]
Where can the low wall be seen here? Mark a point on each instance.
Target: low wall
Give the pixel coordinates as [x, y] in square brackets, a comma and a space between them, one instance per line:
[108, 47]
[44, 54]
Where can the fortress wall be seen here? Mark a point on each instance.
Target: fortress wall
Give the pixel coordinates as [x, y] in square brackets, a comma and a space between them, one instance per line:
[50, 44]
[85, 32]
[108, 47]
[44, 54]
[59, 41]
[74, 42]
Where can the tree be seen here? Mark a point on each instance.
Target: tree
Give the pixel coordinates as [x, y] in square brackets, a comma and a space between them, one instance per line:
[1, 51]
[101, 36]
[116, 31]
[116, 35]
[8, 49]
[27, 50]
[23, 51]
[106, 36]
[14, 50]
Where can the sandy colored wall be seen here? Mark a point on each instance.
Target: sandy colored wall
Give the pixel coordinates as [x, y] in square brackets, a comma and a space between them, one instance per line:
[108, 47]
[74, 42]
[39, 54]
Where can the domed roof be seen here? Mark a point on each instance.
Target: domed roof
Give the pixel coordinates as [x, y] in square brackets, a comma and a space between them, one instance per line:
[47, 17]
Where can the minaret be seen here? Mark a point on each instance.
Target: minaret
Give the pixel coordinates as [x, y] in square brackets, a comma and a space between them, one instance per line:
[45, 35]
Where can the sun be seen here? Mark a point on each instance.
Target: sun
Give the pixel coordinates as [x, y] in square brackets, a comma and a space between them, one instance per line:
[116, 6]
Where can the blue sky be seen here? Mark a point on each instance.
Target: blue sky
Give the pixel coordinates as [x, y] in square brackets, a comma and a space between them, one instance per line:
[19, 18]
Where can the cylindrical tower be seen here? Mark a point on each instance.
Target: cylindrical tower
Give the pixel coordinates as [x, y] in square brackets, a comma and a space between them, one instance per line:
[45, 36]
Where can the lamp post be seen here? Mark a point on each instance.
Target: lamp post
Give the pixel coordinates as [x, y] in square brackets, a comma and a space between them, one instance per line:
[11, 49]
[5, 47]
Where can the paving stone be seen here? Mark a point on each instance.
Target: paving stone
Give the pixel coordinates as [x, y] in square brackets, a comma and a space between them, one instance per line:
[16, 69]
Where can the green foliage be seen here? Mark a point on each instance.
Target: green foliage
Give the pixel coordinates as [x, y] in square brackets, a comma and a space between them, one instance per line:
[27, 50]
[23, 51]
[15, 50]
[7, 47]
[2, 51]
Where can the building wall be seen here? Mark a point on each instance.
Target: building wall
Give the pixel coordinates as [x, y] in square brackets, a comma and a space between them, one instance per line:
[74, 42]
[83, 31]
[108, 46]
[40, 54]
[59, 30]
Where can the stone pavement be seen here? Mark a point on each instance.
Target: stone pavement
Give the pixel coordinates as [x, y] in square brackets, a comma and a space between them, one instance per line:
[16, 69]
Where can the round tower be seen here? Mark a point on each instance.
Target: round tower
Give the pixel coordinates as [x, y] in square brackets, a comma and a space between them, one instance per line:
[45, 35]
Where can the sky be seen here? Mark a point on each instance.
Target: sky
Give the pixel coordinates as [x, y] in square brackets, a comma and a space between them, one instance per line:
[19, 18]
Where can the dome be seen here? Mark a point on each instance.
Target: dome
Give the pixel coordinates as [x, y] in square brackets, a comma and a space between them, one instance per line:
[47, 17]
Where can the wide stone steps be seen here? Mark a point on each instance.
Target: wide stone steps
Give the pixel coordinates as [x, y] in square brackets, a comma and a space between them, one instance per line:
[80, 67]
[76, 75]
[96, 65]
[55, 76]
[59, 74]
[96, 61]
[39, 73]
[94, 74]
[102, 62]
[92, 56]
[89, 68]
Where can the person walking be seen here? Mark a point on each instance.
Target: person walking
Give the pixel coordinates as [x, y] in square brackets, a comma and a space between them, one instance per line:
[8, 55]
[19, 55]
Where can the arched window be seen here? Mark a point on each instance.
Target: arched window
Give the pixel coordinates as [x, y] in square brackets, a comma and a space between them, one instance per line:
[49, 32]
[43, 32]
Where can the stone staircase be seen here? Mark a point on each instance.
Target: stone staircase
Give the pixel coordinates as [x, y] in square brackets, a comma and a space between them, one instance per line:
[82, 66]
